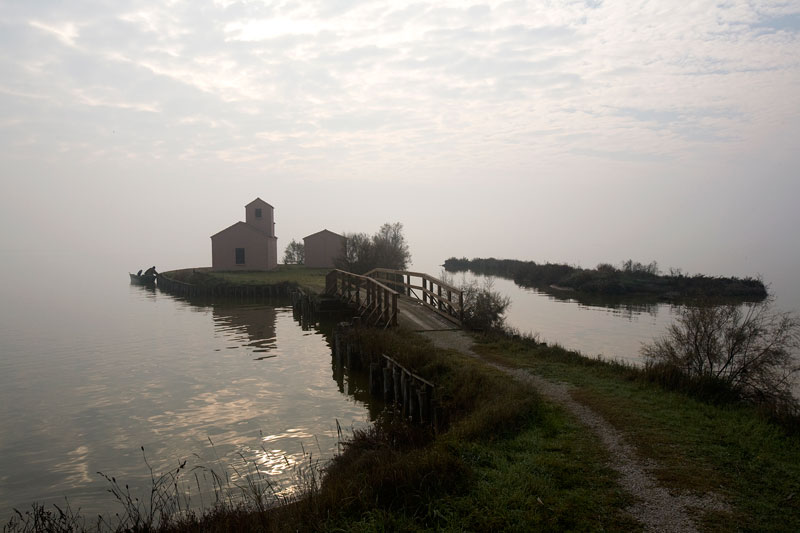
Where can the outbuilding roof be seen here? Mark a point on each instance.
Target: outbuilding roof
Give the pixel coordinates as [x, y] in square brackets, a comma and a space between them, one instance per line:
[321, 232]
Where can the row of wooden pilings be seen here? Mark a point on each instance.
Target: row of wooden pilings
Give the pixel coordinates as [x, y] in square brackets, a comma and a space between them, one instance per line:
[181, 288]
[413, 397]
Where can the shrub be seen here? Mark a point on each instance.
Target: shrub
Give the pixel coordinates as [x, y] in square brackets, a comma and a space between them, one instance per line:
[484, 308]
[751, 348]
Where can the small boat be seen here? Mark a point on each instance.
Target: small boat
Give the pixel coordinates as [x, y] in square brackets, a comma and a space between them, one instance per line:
[142, 279]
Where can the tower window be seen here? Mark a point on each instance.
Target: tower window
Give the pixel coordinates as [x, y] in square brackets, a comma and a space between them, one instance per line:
[258, 212]
[240, 256]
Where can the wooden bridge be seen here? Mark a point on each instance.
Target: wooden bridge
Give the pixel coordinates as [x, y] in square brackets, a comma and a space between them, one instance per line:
[387, 298]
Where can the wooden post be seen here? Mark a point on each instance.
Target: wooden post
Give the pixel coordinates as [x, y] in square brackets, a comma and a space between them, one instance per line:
[375, 375]
[408, 285]
[387, 383]
[404, 393]
[387, 305]
[396, 378]
[350, 358]
[424, 288]
[394, 310]
[439, 290]
[378, 302]
[413, 402]
[461, 306]
[422, 395]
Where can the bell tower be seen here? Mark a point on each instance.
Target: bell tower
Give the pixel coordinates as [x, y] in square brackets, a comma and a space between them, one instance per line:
[260, 214]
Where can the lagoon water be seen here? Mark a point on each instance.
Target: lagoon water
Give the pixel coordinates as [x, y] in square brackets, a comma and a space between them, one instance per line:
[92, 369]
[600, 327]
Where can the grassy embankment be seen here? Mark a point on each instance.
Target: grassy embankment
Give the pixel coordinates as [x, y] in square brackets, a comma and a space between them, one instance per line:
[702, 440]
[605, 280]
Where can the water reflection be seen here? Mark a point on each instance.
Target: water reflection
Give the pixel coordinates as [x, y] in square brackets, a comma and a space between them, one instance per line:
[611, 328]
[252, 326]
[624, 308]
[143, 291]
[173, 375]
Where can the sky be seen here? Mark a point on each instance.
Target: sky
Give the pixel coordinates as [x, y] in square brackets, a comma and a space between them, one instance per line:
[567, 131]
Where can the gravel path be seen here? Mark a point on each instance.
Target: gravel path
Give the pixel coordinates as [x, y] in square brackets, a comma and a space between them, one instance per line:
[657, 508]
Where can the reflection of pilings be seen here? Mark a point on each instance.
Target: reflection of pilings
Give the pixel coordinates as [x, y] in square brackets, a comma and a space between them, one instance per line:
[413, 396]
[304, 309]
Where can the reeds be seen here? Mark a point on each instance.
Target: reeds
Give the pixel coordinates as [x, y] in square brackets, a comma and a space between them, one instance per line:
[185, 497]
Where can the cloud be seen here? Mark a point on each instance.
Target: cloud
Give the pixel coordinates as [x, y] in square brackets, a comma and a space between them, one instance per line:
[66, 32]
[237, 79]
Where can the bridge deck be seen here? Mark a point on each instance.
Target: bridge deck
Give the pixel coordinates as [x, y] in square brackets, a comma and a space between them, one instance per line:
[415, 316]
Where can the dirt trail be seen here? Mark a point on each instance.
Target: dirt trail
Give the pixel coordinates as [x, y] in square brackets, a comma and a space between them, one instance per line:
[657, 508]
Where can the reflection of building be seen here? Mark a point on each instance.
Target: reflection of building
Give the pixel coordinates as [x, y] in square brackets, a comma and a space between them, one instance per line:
[256, 322]
[322, 248]
[248, 245]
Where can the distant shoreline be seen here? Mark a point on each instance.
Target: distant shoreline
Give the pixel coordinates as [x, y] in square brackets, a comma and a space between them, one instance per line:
[633, 280]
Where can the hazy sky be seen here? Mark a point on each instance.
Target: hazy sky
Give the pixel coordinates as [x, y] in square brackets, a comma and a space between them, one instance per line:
[578, 131]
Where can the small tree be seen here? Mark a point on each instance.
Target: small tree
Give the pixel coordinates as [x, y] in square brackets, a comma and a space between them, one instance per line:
[484, 308]
[386, 249]
[390, 248]
[753, 349]
[295, 253]
[357, 255]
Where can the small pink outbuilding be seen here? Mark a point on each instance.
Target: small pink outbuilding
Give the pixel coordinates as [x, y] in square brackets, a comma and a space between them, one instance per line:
[322, 248]
[248, 245]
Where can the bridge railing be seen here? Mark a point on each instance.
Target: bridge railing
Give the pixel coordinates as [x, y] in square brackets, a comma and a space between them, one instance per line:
[443, 298]
[376, 303]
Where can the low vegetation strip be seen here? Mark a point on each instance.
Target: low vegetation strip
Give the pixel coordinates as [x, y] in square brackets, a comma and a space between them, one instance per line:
[631, 279]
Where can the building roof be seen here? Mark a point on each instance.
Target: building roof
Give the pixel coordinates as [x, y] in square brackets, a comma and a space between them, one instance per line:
[244, 225]
[321, 232]
[260, 201]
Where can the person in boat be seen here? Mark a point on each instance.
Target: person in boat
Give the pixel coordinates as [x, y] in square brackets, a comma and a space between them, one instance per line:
[150, 271]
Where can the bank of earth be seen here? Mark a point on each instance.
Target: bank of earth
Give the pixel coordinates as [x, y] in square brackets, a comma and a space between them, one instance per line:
[541, 438]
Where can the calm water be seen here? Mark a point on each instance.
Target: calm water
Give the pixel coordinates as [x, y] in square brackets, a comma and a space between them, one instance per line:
[94, 368]
[597, 327]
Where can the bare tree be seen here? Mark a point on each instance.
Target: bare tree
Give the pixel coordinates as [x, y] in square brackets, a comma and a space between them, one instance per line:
[391, 250]
[752, 348]
[386, 249]
[295, 253]
[357, 255]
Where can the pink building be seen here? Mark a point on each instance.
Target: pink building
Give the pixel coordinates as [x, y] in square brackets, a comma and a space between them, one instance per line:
[248, 245]
[322, 248]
